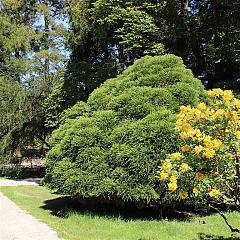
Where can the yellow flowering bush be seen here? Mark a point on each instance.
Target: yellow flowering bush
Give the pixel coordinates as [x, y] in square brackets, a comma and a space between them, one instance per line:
[208, 166]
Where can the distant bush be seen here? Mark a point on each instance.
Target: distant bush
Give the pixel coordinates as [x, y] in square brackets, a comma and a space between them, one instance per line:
[111, 146]
[21, 172]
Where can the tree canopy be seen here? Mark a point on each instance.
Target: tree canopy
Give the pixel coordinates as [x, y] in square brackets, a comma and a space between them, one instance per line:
[30, 63]
[106, 36]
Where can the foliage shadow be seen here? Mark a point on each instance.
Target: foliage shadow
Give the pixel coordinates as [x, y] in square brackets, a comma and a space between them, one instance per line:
[64, 206]
[203, 236]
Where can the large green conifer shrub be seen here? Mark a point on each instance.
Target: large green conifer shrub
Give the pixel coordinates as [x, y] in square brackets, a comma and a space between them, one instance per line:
[111, 146]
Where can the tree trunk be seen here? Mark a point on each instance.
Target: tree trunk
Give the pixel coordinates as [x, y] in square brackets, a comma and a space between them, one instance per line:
[184, 7]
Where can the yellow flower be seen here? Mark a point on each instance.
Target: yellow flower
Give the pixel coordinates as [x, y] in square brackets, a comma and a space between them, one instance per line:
[176, 156]
[167, 166]
[227, 95]
[199, 176]
[208, 143]
[190, 115]
[214, 192]
[178, 124]
[195, 190]
[232, 116]
[192, 133]
[211, 93]
[186, 148]
[163, 175]
[209, 113]
[185, 108]
[172, 186]
[218, 114]
[215, 92]
[184, 167]
[198, 115]
[237, 103]
[173, 178]
[201, 106]
[209, 153]
[235, 117]
[198, 149]
[198, 133]
[227, 92]
[183, 195]
[227, 98]
[184, 135]
[217, 143]
[206, 140]
[187, 127]
[238, 135]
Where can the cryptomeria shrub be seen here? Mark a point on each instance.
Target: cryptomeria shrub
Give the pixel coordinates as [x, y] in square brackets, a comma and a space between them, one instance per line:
[112, 145]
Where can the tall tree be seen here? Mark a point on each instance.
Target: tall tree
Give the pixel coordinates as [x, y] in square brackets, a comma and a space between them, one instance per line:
[31, 41]
[105, 37]
[206, 34]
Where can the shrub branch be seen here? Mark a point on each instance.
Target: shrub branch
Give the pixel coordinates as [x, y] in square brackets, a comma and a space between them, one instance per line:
[233, 230]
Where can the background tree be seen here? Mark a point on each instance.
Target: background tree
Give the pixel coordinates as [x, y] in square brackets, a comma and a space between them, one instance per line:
[31, 43]
[206, 34]
[105, 37]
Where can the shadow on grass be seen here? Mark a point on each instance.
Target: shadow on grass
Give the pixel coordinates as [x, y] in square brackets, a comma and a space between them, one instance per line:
[63, 206]
[203, 236]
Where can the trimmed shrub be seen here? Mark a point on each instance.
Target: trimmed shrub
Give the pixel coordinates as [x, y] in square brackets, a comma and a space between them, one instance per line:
[79, 109]
[111, 146]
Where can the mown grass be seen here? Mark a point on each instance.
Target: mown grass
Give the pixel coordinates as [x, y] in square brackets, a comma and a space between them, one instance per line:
[58, 212]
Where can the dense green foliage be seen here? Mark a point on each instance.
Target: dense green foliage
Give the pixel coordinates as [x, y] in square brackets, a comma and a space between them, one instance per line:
[111, 145]
[30, 64]
[206, 35]
[106, 36]
[21, 119]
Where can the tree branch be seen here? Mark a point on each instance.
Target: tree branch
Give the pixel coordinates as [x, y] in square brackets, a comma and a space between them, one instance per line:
[233, 230]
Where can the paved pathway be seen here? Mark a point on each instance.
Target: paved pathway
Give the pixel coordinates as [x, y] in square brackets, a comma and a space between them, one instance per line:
[17, 182]
[16, 224]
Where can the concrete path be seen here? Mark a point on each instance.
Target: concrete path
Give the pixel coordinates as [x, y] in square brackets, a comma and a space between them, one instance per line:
[17, 182]
[16, 224]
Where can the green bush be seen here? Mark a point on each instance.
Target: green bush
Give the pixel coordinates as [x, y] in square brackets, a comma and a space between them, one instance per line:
[111, 146]
[20, 172]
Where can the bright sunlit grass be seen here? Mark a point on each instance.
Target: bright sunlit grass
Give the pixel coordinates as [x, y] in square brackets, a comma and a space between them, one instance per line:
[75, 225]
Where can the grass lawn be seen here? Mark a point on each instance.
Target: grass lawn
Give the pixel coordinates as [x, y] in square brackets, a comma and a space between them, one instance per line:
[57, 211]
